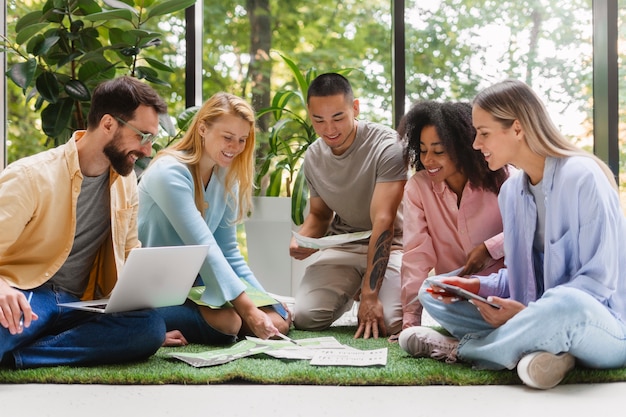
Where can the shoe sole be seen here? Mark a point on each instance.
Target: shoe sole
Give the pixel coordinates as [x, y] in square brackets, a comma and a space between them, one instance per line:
[544, 370]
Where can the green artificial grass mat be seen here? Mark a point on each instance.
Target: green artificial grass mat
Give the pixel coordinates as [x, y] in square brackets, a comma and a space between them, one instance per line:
[401, 370]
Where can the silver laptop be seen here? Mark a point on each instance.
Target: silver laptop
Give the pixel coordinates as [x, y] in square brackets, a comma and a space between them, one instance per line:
[151, 277]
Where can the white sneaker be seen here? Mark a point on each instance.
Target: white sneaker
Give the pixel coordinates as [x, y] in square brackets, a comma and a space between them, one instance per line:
[424, 342]
[544, 370]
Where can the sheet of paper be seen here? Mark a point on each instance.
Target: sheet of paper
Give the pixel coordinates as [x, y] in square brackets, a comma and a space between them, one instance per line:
[330, 241]
[305, 349]
[352, 357]
[319, 350]
[219, 356]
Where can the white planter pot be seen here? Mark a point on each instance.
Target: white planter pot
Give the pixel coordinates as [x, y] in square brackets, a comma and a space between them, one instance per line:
[268, 233]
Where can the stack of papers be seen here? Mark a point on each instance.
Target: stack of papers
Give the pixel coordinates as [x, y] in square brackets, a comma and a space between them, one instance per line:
[321, 351]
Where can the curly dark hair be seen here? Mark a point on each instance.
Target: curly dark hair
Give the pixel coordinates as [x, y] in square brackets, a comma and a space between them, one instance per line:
[453, 123]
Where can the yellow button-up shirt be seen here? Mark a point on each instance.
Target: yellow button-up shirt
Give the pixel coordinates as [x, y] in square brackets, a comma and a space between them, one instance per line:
[38, 196]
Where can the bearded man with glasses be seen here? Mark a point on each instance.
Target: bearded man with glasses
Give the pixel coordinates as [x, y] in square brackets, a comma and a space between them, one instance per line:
[69, 220]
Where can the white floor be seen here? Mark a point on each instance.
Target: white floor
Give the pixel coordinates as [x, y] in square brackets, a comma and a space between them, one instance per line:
[305, 401]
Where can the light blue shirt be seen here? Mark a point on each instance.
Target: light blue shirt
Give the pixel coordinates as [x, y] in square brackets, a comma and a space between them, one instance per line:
[585, 235]
[168, 217]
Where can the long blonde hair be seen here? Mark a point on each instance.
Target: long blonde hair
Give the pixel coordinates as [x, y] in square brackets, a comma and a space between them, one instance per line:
[511, 100]
[190, 149]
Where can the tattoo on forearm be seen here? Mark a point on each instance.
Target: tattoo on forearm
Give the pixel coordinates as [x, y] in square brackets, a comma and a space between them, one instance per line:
[381, 259]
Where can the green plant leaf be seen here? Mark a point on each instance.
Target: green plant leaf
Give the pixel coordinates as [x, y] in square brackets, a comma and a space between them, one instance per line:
[302, 83]
[141, 34]
[158, 65]
[111, 15]
[77, 90]
[69, 58]
[120, 5]
[87, 7]
[276, 180]
[167, 7]
[130, 51]
[156, 80]
[96, 68]
[186, 116]
[150, 43]
[165, 121]
[54, 11]
[299, 198]
[56, 117]
[148, 3]
[22, 73]
[28, 32]
[42, 48]
[48, 86]
[143, 72]
[281, 100]
[28, 19]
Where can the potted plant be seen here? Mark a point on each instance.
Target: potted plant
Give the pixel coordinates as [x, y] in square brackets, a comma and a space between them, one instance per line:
[68, 47]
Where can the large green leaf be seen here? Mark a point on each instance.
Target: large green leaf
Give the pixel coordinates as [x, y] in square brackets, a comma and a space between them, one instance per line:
[299, 198]
[281, 100]
[48, 86]
[158, 65]
[28, 19]
[43, 47]
[55, 118]
[166, 123]
[276, 180]
[96, 68]
[141, 34]
[77, 90]
[23, 73]
[184, 119]
[168, 7]
[302, 83]
[156, 80]
[87, 7]
[54, 11]
[28, 32]
[110, 15]
[120, 5]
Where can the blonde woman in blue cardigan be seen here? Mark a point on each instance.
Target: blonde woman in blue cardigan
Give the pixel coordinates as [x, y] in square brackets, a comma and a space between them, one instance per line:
[195, 192]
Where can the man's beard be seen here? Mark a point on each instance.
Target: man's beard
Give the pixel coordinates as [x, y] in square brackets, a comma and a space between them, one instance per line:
[120, 161]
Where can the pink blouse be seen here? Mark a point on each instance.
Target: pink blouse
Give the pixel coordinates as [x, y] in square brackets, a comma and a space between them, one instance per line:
[438, 234]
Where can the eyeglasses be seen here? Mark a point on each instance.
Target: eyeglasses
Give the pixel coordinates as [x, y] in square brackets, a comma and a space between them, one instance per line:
[145, 137]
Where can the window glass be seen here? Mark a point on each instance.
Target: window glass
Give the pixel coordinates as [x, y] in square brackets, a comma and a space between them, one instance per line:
[455, 48]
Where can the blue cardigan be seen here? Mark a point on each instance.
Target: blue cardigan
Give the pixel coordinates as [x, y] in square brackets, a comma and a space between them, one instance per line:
[168, 217]
[585, 236]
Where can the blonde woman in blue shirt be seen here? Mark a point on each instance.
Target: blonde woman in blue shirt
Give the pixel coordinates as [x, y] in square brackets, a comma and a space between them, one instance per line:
[563, 293]
[195, 192]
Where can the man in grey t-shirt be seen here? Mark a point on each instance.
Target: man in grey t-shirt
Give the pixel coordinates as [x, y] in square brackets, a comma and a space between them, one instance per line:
[356, 175]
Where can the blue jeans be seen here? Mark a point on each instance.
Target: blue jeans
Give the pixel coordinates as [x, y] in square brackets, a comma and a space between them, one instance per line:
[64, 336]
[189, 321]
[564, 319]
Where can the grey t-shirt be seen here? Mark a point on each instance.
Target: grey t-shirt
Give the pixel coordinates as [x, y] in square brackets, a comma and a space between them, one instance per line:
[93, 223]
[346, 182]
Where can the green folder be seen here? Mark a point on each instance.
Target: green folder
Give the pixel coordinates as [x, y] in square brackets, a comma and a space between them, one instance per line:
[258, 297]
